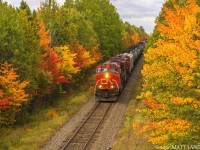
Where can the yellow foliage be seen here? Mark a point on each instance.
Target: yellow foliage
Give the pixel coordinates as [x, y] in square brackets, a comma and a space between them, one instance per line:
[87, 60]
[159, 132]
[171, 76]
[67, 63]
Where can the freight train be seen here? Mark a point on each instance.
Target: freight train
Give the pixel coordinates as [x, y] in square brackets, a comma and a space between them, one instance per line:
[112, 75]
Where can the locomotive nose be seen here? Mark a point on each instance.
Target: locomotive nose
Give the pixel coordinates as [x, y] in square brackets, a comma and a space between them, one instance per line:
[107, 75]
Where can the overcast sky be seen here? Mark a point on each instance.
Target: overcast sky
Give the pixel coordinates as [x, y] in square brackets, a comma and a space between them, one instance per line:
[137, 12]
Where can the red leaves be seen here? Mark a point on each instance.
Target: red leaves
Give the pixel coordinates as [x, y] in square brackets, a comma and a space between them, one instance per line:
[50, 64]
[4, 102]
[62, 79]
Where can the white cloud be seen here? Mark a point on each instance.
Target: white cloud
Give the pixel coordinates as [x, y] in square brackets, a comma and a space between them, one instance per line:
[139, 13]
[146, 22]
[33, 4]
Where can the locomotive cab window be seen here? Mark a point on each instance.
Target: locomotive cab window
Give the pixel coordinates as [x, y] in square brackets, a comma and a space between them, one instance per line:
[113, 70]
[102, 70]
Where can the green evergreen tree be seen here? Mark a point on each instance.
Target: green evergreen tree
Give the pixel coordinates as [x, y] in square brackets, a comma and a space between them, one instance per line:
[24, 6]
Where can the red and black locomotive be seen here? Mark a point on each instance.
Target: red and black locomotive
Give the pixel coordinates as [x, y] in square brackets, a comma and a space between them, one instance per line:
[112, 75]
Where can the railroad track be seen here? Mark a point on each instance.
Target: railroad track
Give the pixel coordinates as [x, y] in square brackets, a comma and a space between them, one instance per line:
[82, 137]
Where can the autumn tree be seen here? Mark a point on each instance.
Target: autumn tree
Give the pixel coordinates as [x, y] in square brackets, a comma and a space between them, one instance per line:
[56, 62]
[67, 64]
[83, 58]
[12, 94]
[171, 90]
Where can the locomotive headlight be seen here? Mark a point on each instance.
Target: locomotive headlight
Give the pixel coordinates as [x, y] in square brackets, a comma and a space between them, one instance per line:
[112, 86]
[107, 75]
[100, 86]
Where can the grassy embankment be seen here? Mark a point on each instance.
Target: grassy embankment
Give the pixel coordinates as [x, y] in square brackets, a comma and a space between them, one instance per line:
[46, 122]
[127, 138]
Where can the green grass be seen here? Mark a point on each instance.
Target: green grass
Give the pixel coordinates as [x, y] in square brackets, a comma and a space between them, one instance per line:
[45, 122]
[127, 138]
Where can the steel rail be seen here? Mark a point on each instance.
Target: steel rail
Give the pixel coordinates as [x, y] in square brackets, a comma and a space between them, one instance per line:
[88, 141]
[81, 126]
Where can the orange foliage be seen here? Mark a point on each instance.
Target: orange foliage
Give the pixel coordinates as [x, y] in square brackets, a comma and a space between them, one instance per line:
[12, 92]
[136, 126]
[135, 37]
[130, 40]
[45, 39]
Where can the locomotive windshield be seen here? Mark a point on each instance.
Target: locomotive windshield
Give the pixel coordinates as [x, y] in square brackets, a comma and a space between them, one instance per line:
[102, 70]
[122, 57]
[111, 70]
